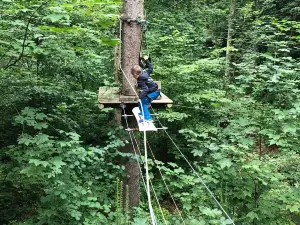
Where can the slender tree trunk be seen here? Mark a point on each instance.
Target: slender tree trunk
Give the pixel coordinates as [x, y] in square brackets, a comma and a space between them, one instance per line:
[117, 54]
[131, 41]
[229, 39]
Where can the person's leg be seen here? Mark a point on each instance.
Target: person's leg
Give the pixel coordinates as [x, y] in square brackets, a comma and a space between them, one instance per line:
[153, 95]
[144, 109]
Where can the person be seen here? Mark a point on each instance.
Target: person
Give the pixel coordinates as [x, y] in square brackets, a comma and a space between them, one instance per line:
[149, 89]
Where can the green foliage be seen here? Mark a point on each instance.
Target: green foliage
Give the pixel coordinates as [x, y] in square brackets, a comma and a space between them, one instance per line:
[243, 137]
[59, 155]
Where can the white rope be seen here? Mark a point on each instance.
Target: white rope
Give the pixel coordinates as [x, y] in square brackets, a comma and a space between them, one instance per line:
[146, 168]
[201, 180]
[128, 81]
[136, 155]
[147, 188]
[135, 152]
[160, 208]
[147, 177]
[164, 180]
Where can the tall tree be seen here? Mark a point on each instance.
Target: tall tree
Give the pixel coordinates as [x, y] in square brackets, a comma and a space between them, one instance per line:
[132, 11]
[229, 38]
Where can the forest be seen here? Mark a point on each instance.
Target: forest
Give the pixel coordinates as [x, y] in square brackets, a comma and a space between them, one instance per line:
[231, 153]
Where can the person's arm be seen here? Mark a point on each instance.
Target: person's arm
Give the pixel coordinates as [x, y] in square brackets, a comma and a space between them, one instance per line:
[149, 66]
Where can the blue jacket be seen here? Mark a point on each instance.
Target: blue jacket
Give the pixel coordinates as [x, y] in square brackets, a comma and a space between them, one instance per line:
[145, 82]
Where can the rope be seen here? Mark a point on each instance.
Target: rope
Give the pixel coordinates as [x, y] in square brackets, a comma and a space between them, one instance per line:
[177, 209]
[147, 177]
[152, 186]
[128, 81]
[201, 180]
[146, 163]
[136, 155]
[135, 152]
[131, 134]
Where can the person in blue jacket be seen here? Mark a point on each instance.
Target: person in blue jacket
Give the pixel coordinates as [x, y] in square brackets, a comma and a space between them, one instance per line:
[149, 89]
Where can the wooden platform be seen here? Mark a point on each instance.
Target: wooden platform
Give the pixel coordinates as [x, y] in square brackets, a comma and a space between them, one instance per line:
[110, 97]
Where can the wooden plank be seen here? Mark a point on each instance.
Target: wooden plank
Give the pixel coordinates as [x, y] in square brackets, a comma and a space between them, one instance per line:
[110, 95]
[111, 98]
[158, 83]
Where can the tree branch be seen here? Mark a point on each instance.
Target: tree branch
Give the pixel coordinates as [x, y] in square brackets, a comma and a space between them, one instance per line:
[25, 36]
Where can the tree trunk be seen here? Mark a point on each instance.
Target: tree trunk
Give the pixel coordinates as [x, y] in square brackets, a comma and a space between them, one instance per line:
[131, 41]
[229, 39]
[117, 55]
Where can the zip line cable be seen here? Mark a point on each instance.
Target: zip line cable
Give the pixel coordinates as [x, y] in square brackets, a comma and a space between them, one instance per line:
[201, 180]
[164, 181]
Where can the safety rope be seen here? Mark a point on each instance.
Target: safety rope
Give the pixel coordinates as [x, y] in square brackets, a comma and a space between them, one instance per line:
[147, 176]
[136, 155]
[164, 181]
[160, 208]
[201, 180]
[135, 152]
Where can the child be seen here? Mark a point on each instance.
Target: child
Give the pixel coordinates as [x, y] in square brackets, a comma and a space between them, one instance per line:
[149, 89]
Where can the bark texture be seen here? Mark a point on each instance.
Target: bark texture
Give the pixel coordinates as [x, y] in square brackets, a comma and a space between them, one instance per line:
[131, 40]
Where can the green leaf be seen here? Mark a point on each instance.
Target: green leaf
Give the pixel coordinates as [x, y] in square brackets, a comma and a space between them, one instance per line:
[140, 221]
[41, 138]
[110, 42]
[40, 126]
[252, 215]
[57, 161]
[62, 196]
[56, 17]
[293, 208]
[25, 140]
[288, 128]
[38, 162]
[225, 163]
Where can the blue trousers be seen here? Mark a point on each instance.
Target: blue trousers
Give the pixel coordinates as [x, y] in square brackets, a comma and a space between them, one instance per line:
[145, 102]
